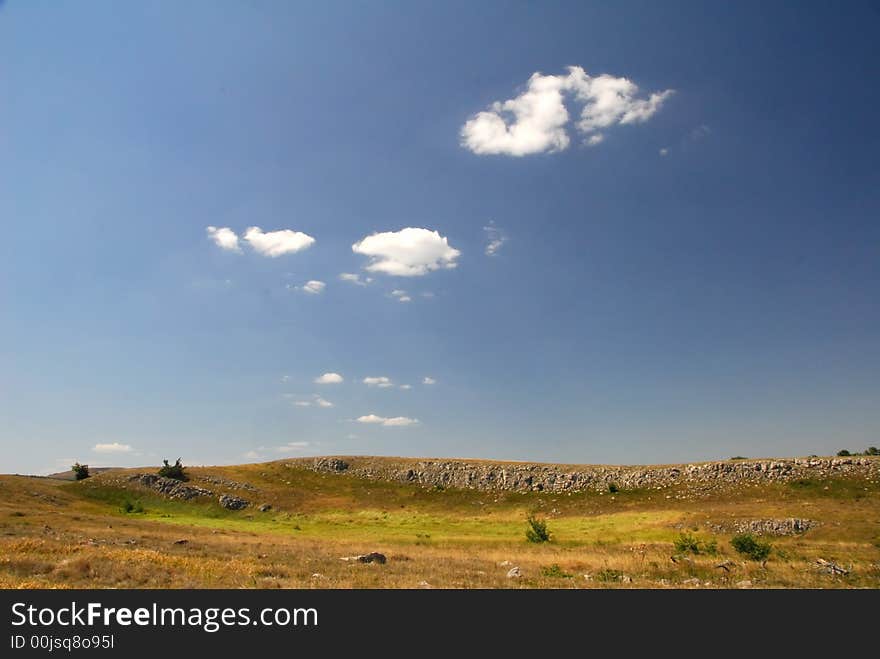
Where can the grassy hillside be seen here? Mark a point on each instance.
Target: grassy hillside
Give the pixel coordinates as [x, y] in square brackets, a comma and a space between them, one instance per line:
[55, 533]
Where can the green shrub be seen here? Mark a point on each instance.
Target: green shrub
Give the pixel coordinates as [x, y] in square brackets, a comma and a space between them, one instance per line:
[128, 506]
[81, 472]
[176, 471]
[609, 575]
[612, 487]
[687, 543]
[537, 531]
[872, 450]
[843, 453]
[751, 547]
[555, 572]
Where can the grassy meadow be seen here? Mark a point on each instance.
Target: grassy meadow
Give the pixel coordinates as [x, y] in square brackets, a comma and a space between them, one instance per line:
[104, 532]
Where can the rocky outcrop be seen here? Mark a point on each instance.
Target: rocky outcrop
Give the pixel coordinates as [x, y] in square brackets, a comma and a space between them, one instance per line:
[170, 487]
[508, 476]
[231, 502]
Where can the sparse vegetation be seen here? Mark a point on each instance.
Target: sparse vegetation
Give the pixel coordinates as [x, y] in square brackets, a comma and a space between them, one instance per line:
[608, 575]
[80, 472]
[129, 506]
[739, 457]
[555, 572]
[537, 530]
[871, 450]
[686, 543]
[176, 471]
[751, 547]
[612, 487]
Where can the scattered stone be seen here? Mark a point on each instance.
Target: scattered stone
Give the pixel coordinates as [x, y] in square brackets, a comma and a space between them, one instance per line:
[318, 575]
[588, 577]
[626, 579]
[424, 584]
[745, 583]
[726, 565]
[228, 484]
[830, 567]
[514, 573]
[231, 502]
[504, 563]
[266, 507]
[691, 582]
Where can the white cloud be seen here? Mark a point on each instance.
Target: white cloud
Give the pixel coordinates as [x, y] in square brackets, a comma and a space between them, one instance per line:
[534, 121]
[355, 278]
[427, 380]
[293, 447]
[224, 238]
[320, 402]
[495, 238]
[401, 296]
[115, 447]
[329, 378]
[285, 378]
[254, 455]
[538, 123]
[302, 403]
[410, 252]
[387, 421]
[277, 243]
[664, 151]
[380, 381]
[400, 421]
[406, 386]
[404, 298]
[313, 287]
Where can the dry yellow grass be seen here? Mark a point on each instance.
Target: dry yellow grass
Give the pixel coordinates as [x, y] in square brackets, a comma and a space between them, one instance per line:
[73, 535]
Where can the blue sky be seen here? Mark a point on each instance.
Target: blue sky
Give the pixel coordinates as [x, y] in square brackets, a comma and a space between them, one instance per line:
[700, 283]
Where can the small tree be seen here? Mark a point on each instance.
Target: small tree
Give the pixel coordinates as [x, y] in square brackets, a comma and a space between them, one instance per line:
[750, 547]
[872, 450]
[537, 531]
[80, 472]
[843, 453]
[176, 471]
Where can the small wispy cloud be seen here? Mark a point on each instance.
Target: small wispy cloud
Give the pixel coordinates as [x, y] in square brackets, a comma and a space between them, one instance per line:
[355, 278]
[398, 421]
[495, 238]
[312, 287]
[293, 447]
[401, 295]
[114, 447]
[378, 381]
[664, 151]
[428, 380]
[406, 387]
[329, 378]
